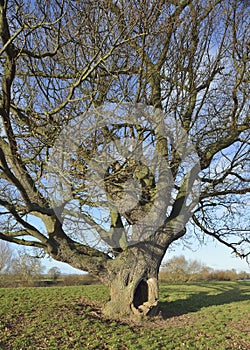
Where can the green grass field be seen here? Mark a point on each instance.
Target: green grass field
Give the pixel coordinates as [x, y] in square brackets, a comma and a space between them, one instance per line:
[194, 316]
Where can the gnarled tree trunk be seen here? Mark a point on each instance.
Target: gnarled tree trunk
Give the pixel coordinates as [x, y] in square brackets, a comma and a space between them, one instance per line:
[139, 297]
[134, 283]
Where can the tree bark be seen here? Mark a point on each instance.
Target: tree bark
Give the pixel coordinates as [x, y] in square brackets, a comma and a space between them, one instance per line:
[134, 282]
[140, 297]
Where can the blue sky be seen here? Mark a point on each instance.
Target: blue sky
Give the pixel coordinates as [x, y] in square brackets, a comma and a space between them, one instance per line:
[212, 254]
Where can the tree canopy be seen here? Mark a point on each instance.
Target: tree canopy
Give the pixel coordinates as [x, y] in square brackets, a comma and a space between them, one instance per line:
[159, 88]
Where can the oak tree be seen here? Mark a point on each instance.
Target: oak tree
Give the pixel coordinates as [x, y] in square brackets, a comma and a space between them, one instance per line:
[159, 91]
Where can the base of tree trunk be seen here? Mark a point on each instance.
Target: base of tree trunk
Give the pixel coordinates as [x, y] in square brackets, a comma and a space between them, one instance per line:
[133, 300]
[145, 301]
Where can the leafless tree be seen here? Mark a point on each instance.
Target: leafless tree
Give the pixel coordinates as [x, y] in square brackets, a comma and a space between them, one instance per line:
[54, 273]
[6, 256]
[188, 60]
[26, 268]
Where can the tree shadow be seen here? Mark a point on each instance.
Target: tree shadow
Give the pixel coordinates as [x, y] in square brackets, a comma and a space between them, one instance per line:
[197, 300]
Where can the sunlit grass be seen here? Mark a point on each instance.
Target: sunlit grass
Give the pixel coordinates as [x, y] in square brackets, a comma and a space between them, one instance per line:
[194, 316]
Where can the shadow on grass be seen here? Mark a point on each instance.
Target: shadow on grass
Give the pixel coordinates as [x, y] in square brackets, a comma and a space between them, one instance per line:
[214, 295]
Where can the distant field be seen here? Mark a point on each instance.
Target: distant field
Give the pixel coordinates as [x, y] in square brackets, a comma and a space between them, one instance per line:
[194, 316]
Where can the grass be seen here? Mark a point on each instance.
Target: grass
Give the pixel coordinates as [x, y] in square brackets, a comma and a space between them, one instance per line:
[194, 316]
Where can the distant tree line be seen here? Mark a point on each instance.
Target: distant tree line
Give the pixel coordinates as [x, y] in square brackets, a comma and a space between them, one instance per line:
[20, 269]
[178, 270]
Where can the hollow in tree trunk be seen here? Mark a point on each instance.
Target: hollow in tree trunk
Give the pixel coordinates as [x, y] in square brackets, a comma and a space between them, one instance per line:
[139, 297]
[134, 285]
